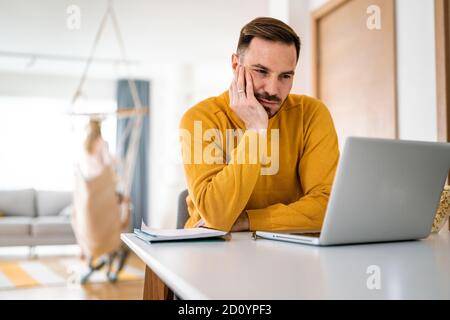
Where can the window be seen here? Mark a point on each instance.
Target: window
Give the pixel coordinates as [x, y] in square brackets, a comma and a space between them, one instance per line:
[39, 140]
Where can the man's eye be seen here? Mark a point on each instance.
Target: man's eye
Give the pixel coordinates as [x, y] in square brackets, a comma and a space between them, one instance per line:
[287, 76]
[261, 71]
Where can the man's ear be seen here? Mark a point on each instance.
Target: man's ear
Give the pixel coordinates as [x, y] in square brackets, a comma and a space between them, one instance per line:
[234, 61]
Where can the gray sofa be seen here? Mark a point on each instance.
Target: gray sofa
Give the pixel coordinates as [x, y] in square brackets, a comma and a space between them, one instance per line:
[31, 217]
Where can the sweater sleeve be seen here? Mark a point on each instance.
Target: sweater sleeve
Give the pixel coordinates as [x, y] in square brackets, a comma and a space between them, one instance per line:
[220, 190]
[316, 170]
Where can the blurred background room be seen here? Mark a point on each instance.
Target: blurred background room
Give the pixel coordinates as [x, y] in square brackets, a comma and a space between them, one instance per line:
[381, 67]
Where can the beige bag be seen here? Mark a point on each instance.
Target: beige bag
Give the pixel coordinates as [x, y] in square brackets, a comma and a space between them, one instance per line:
[443, 211]
[97, 217]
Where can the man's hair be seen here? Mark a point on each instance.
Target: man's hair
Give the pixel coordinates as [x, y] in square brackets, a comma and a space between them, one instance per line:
[269, 29]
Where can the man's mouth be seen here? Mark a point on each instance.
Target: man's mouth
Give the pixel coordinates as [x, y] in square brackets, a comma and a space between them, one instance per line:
[267, 103]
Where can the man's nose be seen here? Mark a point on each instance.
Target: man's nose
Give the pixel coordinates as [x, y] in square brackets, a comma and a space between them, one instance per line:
[271, 86]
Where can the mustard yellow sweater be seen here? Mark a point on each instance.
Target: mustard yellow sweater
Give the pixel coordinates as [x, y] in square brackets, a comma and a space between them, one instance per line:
[292, 196]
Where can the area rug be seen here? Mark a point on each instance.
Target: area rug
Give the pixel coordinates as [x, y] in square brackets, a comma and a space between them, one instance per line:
[56, 272]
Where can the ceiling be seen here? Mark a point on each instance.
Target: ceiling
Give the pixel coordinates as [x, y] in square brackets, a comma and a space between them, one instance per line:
[156, 33]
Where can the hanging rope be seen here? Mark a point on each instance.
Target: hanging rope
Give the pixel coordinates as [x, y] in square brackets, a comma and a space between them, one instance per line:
[133, 129]
[77, 93]
[133, 144]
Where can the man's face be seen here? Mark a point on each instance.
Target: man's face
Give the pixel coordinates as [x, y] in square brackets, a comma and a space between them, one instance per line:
[272, 66]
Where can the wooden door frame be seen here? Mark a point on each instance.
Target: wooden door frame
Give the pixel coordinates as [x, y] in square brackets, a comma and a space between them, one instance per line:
[316, 15]
[442, 29]
[442, 12]
[320, 13]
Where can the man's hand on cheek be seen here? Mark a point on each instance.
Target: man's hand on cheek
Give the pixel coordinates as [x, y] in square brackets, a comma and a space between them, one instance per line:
[244, 103]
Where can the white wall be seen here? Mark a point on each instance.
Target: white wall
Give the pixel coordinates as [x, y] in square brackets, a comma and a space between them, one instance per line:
[416, 69]
[53, 86]
[314, 4]
[300, 21]
[279, 9]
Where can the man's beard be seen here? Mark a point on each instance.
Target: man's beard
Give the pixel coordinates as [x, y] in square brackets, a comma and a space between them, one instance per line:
[270, 98]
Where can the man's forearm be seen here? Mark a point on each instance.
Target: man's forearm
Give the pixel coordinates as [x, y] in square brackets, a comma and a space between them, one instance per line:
[221, 194]
[306, 213]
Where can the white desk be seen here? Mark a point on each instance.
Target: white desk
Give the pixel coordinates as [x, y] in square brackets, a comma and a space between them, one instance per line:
[243, 268]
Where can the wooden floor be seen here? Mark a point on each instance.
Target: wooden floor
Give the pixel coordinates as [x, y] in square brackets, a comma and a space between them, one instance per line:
[125, 290]
[122, 290]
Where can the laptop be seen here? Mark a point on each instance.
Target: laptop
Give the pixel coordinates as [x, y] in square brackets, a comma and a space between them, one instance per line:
[384, 190]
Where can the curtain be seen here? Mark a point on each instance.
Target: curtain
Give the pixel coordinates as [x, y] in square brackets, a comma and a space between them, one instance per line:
[139, 189]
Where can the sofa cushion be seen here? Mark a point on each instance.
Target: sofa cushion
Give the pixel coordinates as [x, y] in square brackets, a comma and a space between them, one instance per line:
[50, 203]
[15, 226]
[51, 226]
[17, 202]
[67, 211]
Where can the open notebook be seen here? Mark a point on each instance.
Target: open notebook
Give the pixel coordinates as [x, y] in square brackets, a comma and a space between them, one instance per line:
[155, 235]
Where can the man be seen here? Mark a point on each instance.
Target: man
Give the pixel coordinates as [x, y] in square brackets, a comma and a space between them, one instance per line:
[228, 194]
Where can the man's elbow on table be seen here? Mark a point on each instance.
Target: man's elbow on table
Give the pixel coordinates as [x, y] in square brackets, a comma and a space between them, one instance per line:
[214, 222]
[216, 217]
[211, 218]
